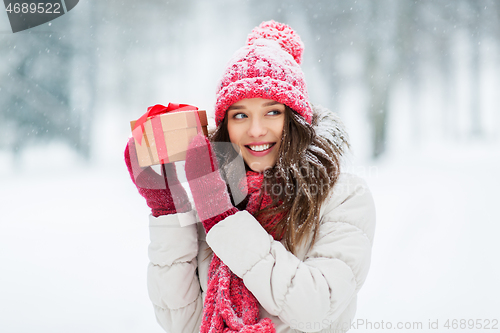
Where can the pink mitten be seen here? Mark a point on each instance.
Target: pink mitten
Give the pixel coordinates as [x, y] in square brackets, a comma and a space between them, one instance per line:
[162, 196]
[209, 190]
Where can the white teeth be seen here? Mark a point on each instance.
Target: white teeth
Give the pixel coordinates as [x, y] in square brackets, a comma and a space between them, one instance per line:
[260, 147]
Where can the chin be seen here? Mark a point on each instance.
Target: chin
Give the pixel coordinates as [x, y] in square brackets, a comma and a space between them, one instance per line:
[259, 167]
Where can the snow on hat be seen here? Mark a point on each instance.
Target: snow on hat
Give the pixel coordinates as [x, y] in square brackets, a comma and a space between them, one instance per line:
[267, 67]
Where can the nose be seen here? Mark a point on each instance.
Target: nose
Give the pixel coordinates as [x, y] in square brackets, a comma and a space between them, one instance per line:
[257, 128]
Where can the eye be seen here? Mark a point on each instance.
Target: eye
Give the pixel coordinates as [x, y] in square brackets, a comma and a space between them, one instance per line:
[274, 112]
[239, 116]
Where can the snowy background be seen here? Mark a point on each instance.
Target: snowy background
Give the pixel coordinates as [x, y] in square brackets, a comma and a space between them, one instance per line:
[416, 83]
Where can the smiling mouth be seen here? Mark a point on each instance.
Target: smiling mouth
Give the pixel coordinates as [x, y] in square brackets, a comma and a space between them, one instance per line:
[260, 148]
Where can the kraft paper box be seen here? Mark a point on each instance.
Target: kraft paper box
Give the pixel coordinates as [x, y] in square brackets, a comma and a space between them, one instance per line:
[177, 130]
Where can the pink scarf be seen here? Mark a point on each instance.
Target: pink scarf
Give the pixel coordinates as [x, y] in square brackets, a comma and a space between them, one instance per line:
[229, 306]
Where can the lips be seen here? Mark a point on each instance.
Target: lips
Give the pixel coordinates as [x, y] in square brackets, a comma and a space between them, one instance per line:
[260, 148]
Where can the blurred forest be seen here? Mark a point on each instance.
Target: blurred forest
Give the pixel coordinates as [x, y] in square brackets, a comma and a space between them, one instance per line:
[400, 72]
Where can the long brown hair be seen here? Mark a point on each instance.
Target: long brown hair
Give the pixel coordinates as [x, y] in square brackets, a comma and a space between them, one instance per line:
[307, 168]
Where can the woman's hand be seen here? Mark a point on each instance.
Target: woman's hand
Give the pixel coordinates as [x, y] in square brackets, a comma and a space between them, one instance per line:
[162, 196]
[209, 190]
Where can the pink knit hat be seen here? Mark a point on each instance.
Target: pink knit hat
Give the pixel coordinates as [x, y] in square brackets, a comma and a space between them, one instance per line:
[267, 67]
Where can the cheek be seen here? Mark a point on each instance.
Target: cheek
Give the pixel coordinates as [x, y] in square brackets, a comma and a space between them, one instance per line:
[278, 130]
[233, 133]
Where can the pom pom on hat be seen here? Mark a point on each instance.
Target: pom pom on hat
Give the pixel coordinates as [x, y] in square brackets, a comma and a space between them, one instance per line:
[267, 67]
[283, 34]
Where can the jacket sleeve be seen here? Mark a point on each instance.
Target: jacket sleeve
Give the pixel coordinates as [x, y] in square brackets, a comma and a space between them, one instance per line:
[318, 288]
[173, 283]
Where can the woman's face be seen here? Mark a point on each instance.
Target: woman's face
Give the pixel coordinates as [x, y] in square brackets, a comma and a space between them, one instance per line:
[255, 125]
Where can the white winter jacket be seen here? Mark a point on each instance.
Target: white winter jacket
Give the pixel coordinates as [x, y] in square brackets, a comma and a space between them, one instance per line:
[314, 291]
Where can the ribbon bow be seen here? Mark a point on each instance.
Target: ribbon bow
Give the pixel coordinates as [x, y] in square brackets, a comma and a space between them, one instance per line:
[154, 111]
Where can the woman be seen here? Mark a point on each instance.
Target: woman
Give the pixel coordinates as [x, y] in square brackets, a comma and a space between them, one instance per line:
[292, 256]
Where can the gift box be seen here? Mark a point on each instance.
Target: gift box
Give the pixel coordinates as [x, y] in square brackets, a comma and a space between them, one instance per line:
[163, 134]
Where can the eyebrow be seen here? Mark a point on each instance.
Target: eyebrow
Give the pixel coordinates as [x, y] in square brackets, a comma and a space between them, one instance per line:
[235, 107]
[239, 107]
[271, 103]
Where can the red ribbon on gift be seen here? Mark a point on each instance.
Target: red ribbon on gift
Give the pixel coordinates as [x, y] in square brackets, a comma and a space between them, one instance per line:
[158, 109]
[155, 111]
